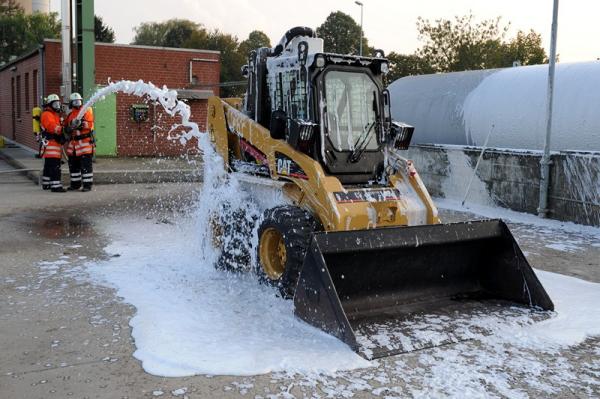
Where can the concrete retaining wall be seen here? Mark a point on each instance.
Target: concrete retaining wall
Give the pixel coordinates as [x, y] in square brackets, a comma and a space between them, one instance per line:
[510, 179]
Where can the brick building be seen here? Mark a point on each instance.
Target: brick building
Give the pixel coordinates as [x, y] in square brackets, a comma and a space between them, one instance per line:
[25, 81]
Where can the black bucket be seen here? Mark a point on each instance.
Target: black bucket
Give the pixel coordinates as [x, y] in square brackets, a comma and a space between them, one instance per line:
[358, 280]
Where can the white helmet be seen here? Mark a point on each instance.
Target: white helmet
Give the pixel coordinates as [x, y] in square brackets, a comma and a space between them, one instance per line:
[53, 100]
[75, 100]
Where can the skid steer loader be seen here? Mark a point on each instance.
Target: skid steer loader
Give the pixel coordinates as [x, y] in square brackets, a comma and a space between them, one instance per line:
[360, 246]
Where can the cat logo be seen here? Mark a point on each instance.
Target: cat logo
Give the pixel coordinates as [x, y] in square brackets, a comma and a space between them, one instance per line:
[284, 166]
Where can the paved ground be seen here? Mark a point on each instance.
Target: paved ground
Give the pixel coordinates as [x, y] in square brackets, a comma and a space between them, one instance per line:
[62, 338]
[112, 170]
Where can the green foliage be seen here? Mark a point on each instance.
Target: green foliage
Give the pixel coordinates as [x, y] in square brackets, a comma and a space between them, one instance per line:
[256, 39]
[231, 59]
[171, 33]
[341, 35]
[103, 33]
[20, 33]
[9, 7]
[406, 65]
[526, 48]
[188, 34]
[463, 44]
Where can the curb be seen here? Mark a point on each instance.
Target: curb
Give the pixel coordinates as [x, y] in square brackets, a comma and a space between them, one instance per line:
[143, 176]
[31, 175]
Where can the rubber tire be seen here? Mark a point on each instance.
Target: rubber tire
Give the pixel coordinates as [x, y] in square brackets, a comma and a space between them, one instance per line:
[235, 251]
[296, 225]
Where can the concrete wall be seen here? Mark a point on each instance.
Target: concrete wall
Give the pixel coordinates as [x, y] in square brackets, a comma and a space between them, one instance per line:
[511, 179]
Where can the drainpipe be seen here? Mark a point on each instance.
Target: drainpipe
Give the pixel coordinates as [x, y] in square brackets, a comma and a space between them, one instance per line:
[41, 76]
[67, 75]
[545, 162]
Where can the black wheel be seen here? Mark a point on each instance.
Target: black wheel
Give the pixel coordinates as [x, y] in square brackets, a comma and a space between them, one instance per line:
[283, 238]
[231, 236]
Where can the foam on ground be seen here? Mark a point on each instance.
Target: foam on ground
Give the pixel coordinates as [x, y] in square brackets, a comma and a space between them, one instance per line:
[192, 319]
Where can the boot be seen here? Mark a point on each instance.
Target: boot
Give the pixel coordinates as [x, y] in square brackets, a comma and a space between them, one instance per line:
[58, 190]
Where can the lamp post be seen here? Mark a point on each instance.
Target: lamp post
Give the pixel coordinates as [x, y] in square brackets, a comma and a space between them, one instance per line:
[546, 161]
[361, 25]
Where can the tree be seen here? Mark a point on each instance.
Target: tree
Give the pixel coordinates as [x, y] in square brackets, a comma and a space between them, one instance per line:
[188, 34]
[171, 33]
[407, 65]
[256, 39]
[9, 7]
[103, 33]
[179, 32]
[463, 44]
[342, 34]
[231, 58]
[21, 33]
[460, 44]
[526, 48]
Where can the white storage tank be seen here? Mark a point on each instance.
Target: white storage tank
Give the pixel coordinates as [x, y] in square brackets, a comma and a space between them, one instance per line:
[460, 108]
[40, 6]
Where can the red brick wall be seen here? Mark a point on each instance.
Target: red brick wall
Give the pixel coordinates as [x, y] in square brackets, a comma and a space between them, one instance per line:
[151, 137]
[23, 131]
[168, 67]
[161, 67]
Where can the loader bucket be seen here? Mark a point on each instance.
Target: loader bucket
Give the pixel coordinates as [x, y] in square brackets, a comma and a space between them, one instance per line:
[357, 284]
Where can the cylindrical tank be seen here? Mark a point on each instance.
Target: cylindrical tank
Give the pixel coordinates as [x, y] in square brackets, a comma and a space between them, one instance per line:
[460, 108]
[40, 6]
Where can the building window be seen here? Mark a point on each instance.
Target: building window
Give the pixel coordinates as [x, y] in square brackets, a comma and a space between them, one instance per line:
[27, 92]
[19, 97]
[34, 83]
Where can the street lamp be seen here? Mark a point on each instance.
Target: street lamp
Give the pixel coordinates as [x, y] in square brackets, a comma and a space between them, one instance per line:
[361, 25]
[546, 160]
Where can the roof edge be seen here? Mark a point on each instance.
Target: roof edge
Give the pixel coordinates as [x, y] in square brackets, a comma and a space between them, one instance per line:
[20, 58]
[192, 50]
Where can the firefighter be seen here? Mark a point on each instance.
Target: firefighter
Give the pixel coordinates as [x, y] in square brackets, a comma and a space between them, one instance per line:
[52, 141]
[81, 144]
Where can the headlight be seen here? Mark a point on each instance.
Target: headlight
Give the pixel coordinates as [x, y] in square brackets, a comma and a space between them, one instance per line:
[385, 68]
[320, 62]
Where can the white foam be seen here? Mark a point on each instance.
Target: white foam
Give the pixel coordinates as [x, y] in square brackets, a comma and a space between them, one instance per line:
[192, 319]
[518, 217]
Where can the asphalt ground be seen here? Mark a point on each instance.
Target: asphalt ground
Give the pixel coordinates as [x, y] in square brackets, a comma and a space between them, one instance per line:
[61, 337]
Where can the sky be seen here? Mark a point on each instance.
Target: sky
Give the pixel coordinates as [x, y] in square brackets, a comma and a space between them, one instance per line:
[388, 24]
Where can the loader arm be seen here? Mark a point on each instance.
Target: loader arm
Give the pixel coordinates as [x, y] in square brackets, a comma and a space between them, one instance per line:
[337, 208]
[360, 247]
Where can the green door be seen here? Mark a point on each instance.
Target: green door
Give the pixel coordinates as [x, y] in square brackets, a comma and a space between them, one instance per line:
[105, 125]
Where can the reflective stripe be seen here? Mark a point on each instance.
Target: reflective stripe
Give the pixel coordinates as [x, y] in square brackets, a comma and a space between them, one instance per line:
[45, 178]
[75, 178]
[89, 180]
[88, 175]
[76, 174]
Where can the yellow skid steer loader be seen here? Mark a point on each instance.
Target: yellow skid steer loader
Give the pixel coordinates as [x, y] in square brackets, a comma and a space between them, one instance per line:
[360, 244]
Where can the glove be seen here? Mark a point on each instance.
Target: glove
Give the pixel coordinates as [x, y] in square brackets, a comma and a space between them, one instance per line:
[76, 124]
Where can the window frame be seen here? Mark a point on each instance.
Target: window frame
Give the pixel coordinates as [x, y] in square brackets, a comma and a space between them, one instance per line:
[323, 115]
